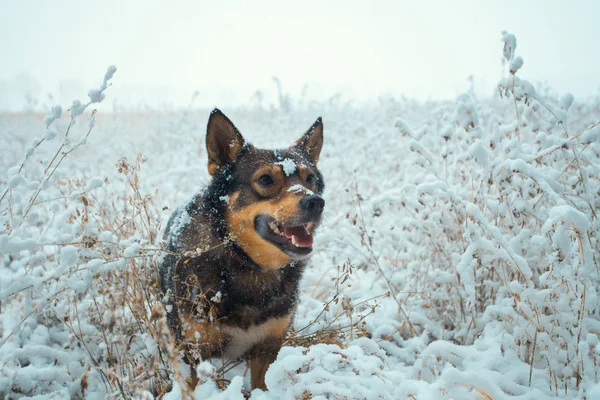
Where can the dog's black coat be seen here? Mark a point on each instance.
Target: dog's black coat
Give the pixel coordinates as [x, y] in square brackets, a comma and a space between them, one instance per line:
[250, 295]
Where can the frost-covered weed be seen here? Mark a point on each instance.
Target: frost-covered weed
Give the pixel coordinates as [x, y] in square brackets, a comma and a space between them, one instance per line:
[458, 257]
[500, 233]
[79, 314]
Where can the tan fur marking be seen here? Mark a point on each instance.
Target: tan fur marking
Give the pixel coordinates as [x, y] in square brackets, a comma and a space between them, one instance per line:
[234, 148]
[232, 199]
[304, 172]
[277, 327]
[213, 168]
[208, 333]
[274, 172]
[258, 370]
[241, 227]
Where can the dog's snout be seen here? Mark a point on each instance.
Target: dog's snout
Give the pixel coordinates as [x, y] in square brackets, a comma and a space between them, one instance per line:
[313, 204]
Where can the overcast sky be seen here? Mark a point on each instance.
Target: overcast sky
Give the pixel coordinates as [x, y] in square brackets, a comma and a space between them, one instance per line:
[227, 50]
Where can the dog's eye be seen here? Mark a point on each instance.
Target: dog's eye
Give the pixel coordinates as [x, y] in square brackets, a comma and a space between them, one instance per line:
[265, 180]
[310, 179]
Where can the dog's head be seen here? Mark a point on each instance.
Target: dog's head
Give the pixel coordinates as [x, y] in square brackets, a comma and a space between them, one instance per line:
[273, 197]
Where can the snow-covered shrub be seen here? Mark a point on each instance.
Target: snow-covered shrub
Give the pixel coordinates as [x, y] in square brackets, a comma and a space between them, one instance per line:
[498, 235]
[79, 314]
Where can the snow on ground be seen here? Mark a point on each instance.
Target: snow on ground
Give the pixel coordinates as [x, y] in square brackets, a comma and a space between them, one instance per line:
[458, 258]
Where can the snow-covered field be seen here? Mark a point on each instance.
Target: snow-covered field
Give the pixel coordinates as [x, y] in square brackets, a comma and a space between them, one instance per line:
[458, 258]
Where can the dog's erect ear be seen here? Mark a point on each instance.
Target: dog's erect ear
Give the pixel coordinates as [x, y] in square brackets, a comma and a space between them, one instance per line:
[223, 141]
[312, 141]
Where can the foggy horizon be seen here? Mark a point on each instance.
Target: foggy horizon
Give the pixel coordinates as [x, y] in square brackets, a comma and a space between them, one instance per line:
[227, 53]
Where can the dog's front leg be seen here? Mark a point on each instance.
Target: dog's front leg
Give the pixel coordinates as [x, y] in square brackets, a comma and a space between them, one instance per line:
[258, 368]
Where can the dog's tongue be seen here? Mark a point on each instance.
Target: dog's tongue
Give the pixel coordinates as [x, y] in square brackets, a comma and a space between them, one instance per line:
[303, 237]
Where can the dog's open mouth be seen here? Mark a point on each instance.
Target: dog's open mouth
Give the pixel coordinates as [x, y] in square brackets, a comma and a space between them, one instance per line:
[290, 238]
[298, 235]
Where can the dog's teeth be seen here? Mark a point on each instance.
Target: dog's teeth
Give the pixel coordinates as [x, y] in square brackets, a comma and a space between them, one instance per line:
[274, 227]
[295, 241]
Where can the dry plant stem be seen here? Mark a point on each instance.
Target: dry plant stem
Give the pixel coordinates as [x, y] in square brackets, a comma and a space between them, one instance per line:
[376, 261]
[10, 210]
[446, 161]
[21, 168]
[558, 147]
[134, 186]
[575, 156]
[325, 307]
[352, 324]
[44, 178]
[69, 326]
[138, 300]
[505, 249]
[516, 109]
[532, 356]
[169, 345]
[72, 149]
[48, 302]
[57, 277]
[133, 303]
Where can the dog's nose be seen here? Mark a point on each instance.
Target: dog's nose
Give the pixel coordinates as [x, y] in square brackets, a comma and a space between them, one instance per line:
[313, 204]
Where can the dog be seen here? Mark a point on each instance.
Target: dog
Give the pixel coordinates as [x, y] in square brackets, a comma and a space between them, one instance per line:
[237, 250]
